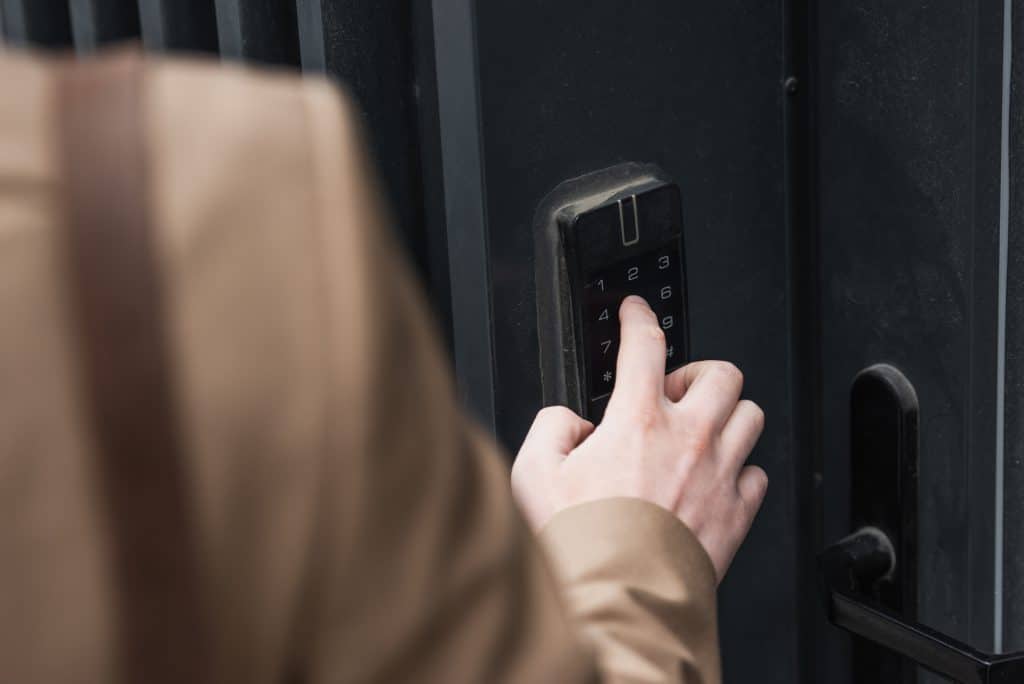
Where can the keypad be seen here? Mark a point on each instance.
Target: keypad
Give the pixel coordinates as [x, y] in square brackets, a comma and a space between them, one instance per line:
[657, 277]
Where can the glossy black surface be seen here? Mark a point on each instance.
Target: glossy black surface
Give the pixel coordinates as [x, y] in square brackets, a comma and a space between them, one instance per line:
[849, 568]
[657, 276]
[613, 241]
[884, 462]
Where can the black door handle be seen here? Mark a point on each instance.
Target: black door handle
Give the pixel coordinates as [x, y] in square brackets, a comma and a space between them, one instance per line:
[869, 579]
[854, 564]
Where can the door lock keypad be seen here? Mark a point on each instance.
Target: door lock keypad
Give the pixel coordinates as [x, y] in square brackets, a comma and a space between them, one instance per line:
[657, 277]
[600, 238]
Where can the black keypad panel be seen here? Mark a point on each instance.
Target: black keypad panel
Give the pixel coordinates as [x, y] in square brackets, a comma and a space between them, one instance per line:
[657, 277]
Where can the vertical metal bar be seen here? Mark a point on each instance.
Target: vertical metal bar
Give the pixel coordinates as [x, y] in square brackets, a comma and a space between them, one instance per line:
[431, 183]
[7, 8]
[369, 45]
[984, 281]
[151, 23]
[384, 52]
[95, 22]
[229, 28]
[258, 31]
[15, 28]
[178, 25]
[311, 35]
[462, 169]
[1013, 409]
[44, 23]
[83, 25]
[1004, 232]
[798, 83]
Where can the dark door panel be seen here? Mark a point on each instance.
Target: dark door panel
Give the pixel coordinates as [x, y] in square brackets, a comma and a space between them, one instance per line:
[909, 116]
[1013, 484]
[569, 88]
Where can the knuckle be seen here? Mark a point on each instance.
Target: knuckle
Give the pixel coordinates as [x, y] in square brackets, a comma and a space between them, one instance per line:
[728, 370]
[697, 439]
[754, 506]
[555, 414]
[519, 472]
[757, 417]
[749, 508]
[760, 478]
[642, 417]
[657, 334]
[696, 418]
[757, 487]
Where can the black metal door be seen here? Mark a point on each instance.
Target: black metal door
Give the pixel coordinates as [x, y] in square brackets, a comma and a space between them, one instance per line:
[913, 193]
[563, 89]
[847, 176]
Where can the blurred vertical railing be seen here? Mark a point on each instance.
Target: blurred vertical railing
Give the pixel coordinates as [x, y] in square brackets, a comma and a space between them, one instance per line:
[258, 31]
[187, 25]
[96, 22]
[368, 46]
[382, 51]
[40, 23]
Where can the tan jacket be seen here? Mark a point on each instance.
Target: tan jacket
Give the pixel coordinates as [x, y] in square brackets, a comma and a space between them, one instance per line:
[229, 448]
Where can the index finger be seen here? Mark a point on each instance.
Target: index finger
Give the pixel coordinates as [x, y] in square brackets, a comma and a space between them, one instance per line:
[640, 367]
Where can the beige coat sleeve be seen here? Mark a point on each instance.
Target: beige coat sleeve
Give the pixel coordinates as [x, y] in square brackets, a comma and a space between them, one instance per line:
[353, 525]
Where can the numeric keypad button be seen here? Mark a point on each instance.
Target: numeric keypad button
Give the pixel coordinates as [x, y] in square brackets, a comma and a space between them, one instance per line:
[655, 276]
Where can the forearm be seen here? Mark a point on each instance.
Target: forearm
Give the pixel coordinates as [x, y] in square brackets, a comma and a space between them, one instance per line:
[641, 588]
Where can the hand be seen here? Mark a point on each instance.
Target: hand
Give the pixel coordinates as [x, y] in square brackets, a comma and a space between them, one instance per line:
[679, 441]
